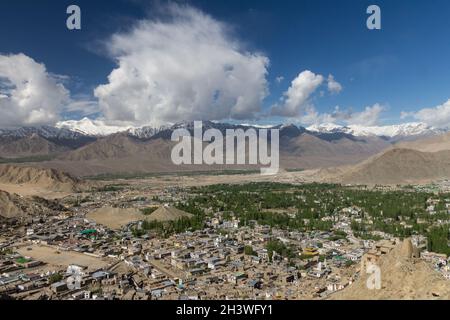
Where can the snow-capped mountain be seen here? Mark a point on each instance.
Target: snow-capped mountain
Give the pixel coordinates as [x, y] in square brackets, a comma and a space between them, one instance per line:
[393, 131]
[100, 128]
[47, 132]
[39, 141]
[90, 127]
[145, 132]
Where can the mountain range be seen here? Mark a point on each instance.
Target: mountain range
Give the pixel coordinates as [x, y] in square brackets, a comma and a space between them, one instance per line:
[423, 160]
[100, 128]
[392, 132]
[86, 148]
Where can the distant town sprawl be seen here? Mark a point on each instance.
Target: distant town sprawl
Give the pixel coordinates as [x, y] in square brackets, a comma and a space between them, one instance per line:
[265, 240]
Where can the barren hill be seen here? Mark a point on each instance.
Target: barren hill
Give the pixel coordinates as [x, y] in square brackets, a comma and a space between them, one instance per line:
[115, 218]
[34, 145]
[325, 150]
[117, 154]
[13, 206]
[431, 144]
[116, 146]
[402, 277]
[399, 166]
[49, 179]
[420, 161]
[166, 213]
[9, 205]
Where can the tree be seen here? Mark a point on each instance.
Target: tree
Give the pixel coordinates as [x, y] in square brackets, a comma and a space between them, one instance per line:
[248, 250]
[56, 277]
[438, 240]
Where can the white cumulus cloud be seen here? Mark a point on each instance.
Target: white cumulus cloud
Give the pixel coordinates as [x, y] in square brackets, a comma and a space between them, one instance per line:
[370, 116]
[438, 116]
[295, 99]
[184, 67]
[333, 85]
[29, 95]
[279, 79]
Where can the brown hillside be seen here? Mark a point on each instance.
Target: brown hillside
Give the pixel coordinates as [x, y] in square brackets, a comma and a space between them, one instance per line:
[9, 205]
[33, 145]
[116, 146]
[399, 166]
[13, 206]
[402, 277]
[431, 144]
[50, 179]
[166, 213]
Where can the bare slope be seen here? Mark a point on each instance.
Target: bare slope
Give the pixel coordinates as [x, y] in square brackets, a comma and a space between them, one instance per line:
[115, 146]
[120, 153]
[309, 151]
[400, 166]
[10, 205]
[431, 144]
[13, 206]
[49, 179]
[420, 161]
[166, 213]
[402, 277]
[115, 218]
[34, 145]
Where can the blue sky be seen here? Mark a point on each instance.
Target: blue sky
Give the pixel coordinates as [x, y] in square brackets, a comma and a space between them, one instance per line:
[404, 67]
